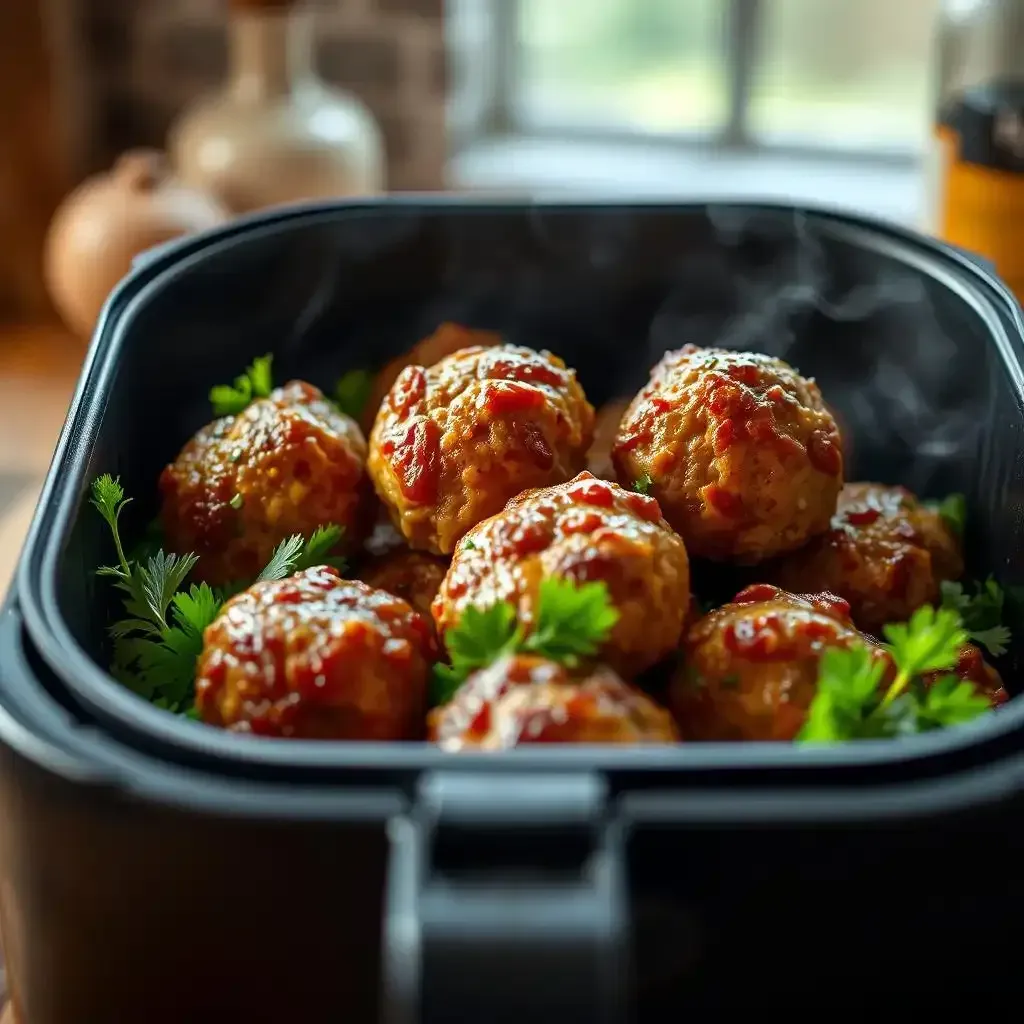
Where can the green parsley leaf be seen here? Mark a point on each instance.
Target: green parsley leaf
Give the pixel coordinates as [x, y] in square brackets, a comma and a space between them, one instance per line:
[572, 621]
[109, 500]
[642, 484]
[949, 701]
[984, 613]
[953, 510]
[256, 382]
[352, 392]
[295, 553]
[849, 683]
[929, 642]
[849, 703]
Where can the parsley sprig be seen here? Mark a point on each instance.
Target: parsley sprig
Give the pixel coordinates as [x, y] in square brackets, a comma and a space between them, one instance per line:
[160, 638]
[986, 610]
[352, 392]
[256, 382]
[850, 703]
[571, 623]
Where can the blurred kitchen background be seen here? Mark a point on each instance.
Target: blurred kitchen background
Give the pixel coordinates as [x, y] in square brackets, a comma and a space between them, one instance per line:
[827, 101]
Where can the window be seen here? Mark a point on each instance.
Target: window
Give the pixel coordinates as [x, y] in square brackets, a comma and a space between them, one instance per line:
[815, 76]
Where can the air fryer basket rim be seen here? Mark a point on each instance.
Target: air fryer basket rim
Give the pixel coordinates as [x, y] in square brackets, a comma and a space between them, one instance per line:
[92, 687]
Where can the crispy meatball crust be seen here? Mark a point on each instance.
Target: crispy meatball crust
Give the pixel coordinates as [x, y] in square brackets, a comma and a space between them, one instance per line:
[453, 442]
[583, 530]
[445, 341]
[286, 464]
[413, 576]
[743, 455]
[524, 699]
[886, 554]
[314, 656]
[750, 668]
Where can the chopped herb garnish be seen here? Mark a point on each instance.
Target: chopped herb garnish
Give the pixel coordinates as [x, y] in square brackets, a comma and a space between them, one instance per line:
[160, 637]
[256, 382]
[572, 621]
[984, 613]
[642, 484]
[158, 641]
[296, 553]
[237, 501]
[353, 391]
[850, 703]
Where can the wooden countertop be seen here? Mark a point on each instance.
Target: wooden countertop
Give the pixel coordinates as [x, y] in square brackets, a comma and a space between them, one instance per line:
[39, 368]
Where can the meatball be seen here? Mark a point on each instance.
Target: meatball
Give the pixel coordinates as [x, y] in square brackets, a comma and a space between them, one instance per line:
[445, 341]
[314, 656]
[584, 530]
[606, 427]
[411, 575]
[454, 442]
[738, 448]
[525, 699]
[750, 669]
[886, 554]
[286, 464]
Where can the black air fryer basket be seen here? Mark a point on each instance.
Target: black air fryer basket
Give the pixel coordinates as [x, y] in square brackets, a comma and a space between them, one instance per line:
[155, 870]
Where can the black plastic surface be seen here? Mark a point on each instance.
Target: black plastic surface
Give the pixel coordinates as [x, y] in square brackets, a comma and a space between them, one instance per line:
[916, 347]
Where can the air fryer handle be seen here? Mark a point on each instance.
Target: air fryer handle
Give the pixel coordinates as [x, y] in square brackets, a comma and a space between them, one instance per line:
[505, 919]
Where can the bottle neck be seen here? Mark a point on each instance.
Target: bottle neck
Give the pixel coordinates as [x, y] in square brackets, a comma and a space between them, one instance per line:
[271, 53]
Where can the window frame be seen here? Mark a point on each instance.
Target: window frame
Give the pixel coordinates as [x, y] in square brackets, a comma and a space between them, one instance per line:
[496, 117]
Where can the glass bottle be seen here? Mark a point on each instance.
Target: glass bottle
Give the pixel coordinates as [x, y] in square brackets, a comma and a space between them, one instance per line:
[976, 167]
[277, 132]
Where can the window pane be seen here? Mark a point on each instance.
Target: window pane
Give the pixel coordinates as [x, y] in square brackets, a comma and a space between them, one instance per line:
[844, 72]
[650, 65]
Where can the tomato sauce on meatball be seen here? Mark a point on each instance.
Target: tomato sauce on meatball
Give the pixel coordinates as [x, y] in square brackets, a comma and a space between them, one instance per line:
[885, 553]
[314, 656]
[448, 339]
[584, 530]
[740, 451]
[286, 464]
[750, 668]
[454, 441]
[524, 699]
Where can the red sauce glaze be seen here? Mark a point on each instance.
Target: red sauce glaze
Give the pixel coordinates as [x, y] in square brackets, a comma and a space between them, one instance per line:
[516, 368]
[862, 516]
[506, 396]
[824, 453]
[725, 503]
[535, 444]
[415, 456]
[408, 391]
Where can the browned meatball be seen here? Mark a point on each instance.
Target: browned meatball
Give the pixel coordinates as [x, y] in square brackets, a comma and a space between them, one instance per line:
[524, 699]
[286, 464]
[454, 442]
[750, 669]
[314, 656]
[445, 341]
[738, 448]
[606, 427]
[411, 575]
[886, 554]
[584, 530]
